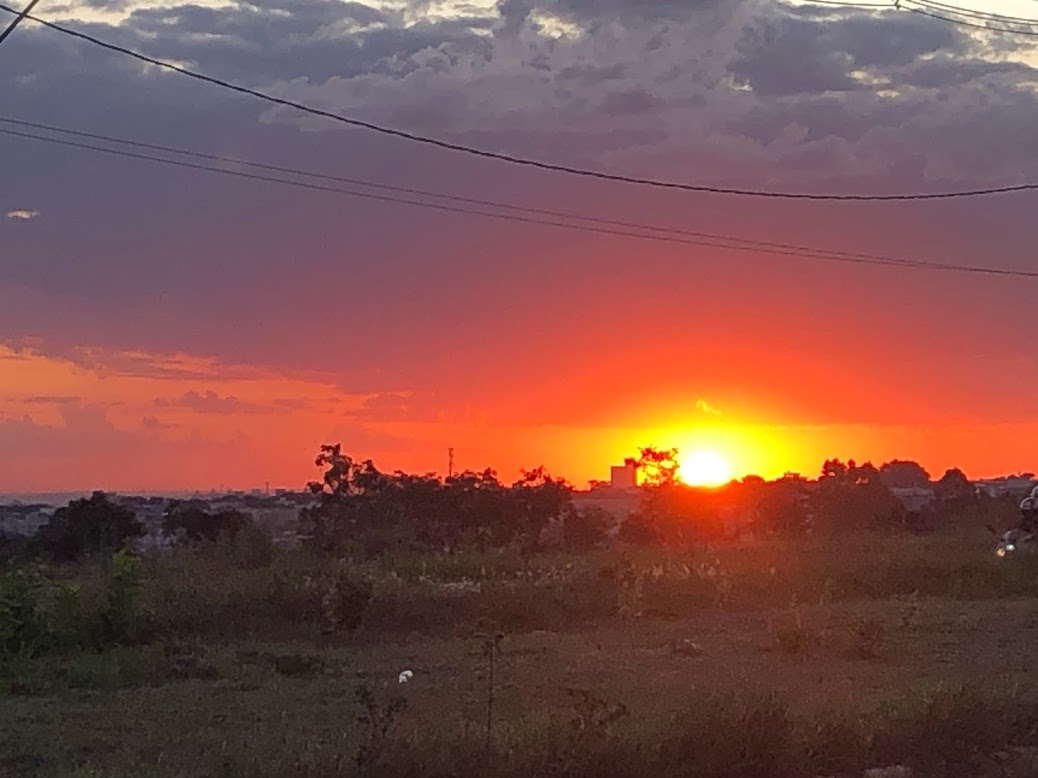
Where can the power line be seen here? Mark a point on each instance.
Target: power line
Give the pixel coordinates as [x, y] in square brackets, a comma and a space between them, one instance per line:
[426, 192]
[966, 23]
[937, 7]
[971, 12]
[523, 161]
[643, 235]
[21, 17]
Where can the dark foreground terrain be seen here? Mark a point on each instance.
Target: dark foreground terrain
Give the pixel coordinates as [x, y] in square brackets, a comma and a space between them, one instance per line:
[776, 658]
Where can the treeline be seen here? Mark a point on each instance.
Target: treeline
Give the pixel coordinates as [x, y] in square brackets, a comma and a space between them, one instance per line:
[361, 512]
[97, 526]
[845, 497]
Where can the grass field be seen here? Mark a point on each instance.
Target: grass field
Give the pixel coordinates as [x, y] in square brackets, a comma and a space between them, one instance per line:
[776, 658]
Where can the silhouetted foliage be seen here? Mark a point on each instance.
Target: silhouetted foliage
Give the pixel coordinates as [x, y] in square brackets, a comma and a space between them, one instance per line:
[955, 493]
[901, 474]
[657, 467]
[191, 522]
[585, 528]
[367, 512]
[86, 527]
[784, 506]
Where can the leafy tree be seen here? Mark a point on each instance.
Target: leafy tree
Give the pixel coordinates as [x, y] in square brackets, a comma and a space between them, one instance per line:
[536, 500]
[785, 507]
[954, 492]
[862, 475]
[90, 526]
[833, 472]
[640, 530]
[852, 497]
[363, 510]
[351, 501]
[585, 528]
[191, 521]
[902, 474]
[658, 467]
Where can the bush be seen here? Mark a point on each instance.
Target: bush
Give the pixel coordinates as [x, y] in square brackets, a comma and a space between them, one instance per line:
[728, 738]
[37, 615]
[951, 727]
[586, 528]
[346, 599]
[190, 522]
[86, 527]
[252, 548]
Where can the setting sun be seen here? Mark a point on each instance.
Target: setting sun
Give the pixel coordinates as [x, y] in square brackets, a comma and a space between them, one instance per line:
[704, 468]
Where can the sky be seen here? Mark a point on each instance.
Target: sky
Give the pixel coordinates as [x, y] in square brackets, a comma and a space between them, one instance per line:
[165, 328]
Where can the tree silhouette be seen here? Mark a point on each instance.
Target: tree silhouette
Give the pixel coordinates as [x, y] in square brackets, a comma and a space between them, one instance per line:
[658, 467]
[196, 524]
[88, 526]
[902, 474]
[954, 492]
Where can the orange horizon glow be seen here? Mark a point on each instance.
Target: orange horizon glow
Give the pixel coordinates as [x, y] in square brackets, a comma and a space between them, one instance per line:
[128, 421]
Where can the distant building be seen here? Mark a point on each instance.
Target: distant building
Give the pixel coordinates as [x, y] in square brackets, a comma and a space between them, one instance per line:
[623, 477]
[1016, 485]
[914, 498]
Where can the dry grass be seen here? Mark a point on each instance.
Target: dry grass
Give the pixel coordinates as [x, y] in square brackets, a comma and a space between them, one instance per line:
[248, 683]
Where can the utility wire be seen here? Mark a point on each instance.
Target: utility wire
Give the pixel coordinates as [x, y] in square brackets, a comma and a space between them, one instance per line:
[426, 192]
[960, 11]
[603, 230]
[515, 160]
[21, 17]
[964, 22]
[936, 7]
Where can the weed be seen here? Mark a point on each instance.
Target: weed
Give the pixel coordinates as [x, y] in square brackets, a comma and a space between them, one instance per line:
[346, 598]
[791, 636]
[725, 737]
[867, 639]
[491, 647]
[376, 721]
[298, 665]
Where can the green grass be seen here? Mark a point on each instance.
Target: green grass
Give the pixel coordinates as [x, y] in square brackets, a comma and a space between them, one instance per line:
[811, 658]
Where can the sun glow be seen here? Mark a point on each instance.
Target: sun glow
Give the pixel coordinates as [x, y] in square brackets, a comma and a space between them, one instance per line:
[704, 468]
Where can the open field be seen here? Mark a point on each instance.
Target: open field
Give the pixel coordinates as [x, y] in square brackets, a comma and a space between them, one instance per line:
[776, 658]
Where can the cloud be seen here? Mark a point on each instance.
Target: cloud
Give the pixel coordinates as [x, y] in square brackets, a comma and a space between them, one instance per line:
[704, 407]
[208, 402]
[380, 299]
[55, 399]
[22, 215]
[153, 424]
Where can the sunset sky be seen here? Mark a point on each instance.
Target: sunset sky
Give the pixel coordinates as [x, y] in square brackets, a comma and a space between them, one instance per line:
[163, 328]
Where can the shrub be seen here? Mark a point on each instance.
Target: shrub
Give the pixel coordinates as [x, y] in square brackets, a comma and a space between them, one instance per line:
[724, 737]
[39, 615]
[191, 522]
[87, 527]
[792, 636]
[121, 616]
[36, 614]
[951, 726]
[346, 598]
[252, 548]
